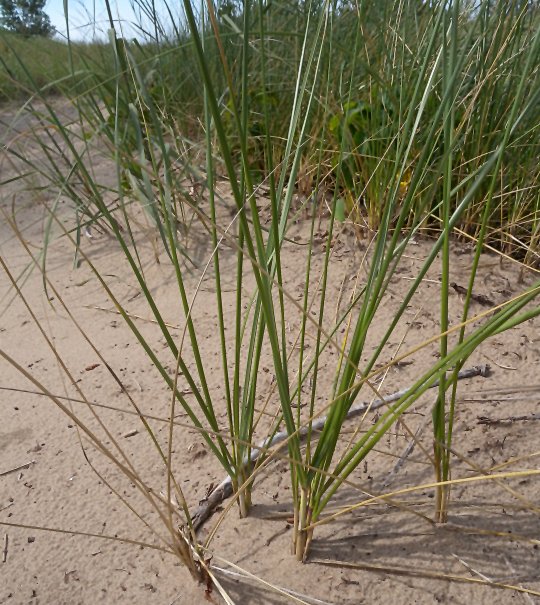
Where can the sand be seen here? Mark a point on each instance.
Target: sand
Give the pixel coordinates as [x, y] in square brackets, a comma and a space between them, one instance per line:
[388, 554]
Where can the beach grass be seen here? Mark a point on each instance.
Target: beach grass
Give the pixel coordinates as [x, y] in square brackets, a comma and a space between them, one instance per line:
[428, 127]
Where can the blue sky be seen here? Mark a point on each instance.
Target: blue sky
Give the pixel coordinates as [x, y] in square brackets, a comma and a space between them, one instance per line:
[83, 13]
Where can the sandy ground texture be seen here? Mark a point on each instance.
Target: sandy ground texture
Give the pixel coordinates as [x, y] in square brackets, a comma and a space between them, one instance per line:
[390, 552]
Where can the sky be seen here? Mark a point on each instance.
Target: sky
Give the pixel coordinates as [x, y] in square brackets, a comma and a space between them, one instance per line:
[88, 18]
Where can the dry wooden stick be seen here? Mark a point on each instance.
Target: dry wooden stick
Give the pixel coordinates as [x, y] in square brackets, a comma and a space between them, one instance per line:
[224, 490]
[5, 551]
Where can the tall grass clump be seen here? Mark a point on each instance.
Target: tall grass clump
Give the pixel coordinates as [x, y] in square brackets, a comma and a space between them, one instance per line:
[400, 118]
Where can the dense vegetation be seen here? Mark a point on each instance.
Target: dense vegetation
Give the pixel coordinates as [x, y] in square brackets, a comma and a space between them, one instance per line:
[358, 88]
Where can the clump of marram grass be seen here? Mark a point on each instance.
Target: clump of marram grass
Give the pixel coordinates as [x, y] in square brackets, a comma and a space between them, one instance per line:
[408, 155]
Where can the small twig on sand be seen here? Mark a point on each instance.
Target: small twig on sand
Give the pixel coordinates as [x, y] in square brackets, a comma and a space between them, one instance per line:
[479, 298]
[507, 420]
[17, 468]
[224, 490]
[5, 551]
[7, 506]
[408, 451]
[207, 506]
[473, 571]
